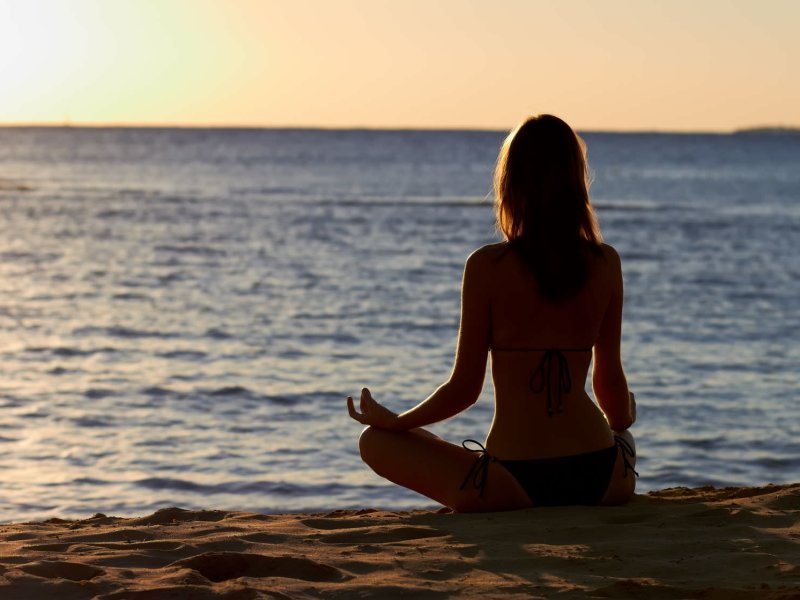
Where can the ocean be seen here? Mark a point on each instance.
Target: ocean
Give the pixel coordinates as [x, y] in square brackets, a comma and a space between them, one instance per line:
[183, 311]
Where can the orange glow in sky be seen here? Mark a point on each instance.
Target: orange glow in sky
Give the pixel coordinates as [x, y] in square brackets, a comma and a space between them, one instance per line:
[613, 65]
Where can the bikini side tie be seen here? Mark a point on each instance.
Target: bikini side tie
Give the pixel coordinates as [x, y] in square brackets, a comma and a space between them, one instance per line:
[479, 470]
[627, 454]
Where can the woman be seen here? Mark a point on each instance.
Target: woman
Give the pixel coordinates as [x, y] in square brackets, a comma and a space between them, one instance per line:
[544, 302]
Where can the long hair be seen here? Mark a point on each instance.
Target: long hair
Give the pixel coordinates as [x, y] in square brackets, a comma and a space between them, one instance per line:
[541, 189]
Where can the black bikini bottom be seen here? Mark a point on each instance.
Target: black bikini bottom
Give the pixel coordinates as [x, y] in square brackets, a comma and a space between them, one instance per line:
[564, 480]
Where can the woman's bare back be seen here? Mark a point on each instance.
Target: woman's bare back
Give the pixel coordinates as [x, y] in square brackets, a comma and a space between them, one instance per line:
[540, 356]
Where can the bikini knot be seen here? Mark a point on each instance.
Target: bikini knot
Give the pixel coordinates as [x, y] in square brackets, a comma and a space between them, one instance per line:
[542, 378]
[627, 454]
[479, 469]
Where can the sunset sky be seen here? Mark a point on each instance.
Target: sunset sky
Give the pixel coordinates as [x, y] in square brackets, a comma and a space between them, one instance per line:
[686, 65]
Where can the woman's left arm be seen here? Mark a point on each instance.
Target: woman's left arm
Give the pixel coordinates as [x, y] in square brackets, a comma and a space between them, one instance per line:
[466, 380]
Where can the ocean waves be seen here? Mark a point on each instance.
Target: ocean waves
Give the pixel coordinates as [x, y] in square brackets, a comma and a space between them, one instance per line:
[182, 313]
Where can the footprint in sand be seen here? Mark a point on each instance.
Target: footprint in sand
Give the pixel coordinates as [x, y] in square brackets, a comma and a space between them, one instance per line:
[157, 545]
[116, 535]
[222, 566]
[265, 538]
[381, 535]
[323, 523]
[14, 537]
[171, 515]
[194, 592]
[48, 547]
[54, 569]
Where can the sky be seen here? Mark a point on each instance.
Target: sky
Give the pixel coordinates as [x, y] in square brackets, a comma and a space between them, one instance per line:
[678, 65]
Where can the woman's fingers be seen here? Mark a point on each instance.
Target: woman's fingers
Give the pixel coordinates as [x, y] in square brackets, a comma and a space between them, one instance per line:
[369, 408]
[351, 409]
[367, 401]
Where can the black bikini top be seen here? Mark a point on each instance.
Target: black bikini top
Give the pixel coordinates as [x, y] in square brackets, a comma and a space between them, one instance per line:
[542, 375]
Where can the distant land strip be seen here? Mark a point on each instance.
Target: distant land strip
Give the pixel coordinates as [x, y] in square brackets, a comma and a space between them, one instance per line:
[769, 130]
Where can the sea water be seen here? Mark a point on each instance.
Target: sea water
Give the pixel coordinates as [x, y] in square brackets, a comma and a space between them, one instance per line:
[183, 311]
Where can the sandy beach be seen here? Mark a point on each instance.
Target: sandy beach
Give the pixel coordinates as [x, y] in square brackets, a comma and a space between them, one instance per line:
[675, 543]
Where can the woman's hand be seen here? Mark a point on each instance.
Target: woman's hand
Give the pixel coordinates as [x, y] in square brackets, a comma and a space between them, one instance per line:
[372, 412]
[633, 408]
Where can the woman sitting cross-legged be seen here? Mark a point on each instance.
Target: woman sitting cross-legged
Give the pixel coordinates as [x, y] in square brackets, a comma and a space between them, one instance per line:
[545, 304]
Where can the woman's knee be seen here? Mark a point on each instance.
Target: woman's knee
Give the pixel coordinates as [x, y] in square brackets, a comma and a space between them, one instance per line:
[385, 451]
[369, 443]
[365, 441]
[379, 449]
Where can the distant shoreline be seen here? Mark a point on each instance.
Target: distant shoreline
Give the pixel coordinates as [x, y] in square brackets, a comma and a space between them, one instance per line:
[768, 131]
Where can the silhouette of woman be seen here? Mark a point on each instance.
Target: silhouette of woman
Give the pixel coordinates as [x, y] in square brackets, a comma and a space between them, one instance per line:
[544, 303]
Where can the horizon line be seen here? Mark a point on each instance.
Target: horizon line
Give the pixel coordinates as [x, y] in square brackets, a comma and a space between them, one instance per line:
[222, 126]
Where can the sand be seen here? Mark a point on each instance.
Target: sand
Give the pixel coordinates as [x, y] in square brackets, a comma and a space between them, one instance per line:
[678, 543]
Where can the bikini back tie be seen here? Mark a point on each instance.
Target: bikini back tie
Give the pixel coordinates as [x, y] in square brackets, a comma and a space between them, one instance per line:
[542, 377]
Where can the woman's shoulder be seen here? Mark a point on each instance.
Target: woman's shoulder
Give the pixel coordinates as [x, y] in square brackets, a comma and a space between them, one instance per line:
[609, 253]
[489, 252]
[483, 262]
[608, 262]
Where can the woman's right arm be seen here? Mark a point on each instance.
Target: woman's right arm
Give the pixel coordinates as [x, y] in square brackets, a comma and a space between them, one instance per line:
[608, 378]
[466, 381]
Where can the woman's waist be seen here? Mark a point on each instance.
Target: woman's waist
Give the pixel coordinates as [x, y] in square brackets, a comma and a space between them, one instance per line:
[553, 388]
[517, 399]
[518, 435]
